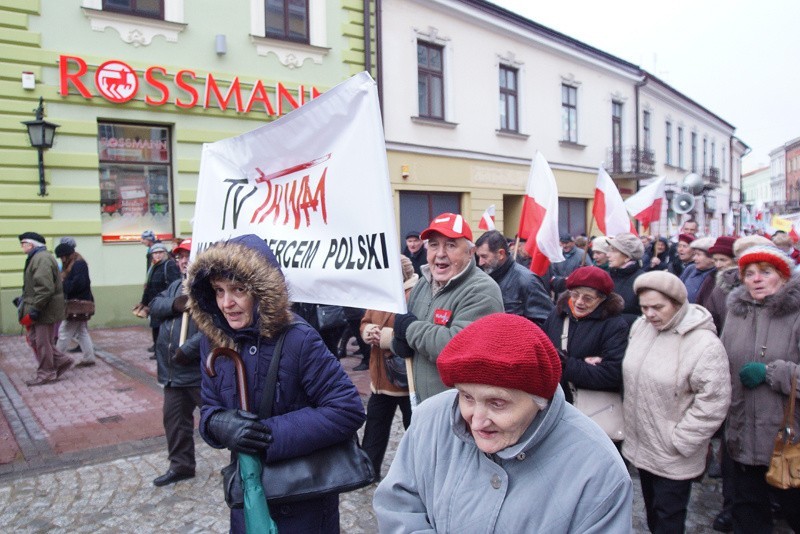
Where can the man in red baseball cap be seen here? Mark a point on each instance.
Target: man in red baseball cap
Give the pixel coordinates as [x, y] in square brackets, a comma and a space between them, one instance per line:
[452, 293]
[178, 371]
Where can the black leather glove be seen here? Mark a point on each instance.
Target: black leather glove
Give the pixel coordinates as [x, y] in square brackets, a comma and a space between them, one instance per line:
[179, 358]
[179, 304]
[402, 348]
[17, 301]
[239, 431]
[34, 314]
[401, 324]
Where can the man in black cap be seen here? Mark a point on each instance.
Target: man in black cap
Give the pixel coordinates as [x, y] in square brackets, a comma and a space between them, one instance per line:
[415, 251]
[573, 258]
[40, 307]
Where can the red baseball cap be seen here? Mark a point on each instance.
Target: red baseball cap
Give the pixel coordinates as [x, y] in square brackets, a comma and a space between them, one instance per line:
[449, 225]
[186, 245]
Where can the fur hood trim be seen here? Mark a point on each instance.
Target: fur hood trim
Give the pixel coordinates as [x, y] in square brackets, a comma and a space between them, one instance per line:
[248, 260]
[612, 306]
[785, 302]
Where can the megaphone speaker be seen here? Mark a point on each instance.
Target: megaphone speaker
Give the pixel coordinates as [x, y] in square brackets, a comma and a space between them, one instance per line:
[683, 203]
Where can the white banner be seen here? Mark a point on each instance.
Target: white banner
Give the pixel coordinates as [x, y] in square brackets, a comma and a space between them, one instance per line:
[315, 185]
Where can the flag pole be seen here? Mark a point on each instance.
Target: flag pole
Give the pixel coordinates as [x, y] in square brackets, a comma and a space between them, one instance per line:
[516, 248]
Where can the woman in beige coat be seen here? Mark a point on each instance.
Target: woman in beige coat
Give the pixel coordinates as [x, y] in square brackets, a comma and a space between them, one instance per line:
[676, 395]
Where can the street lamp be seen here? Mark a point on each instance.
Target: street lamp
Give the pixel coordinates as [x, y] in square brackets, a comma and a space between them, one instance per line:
[41, 134]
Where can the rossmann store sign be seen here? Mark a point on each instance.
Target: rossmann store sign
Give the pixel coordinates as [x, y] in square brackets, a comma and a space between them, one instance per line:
[118, 82]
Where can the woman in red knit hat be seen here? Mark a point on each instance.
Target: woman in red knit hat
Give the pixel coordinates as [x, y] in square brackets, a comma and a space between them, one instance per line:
[589, 332]
[762, 337]
[503, 451]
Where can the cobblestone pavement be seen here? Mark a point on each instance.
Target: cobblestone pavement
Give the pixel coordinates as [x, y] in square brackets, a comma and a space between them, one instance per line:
[62, 470]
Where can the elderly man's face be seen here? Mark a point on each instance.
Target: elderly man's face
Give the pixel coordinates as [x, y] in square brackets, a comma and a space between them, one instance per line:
[488, 260]
[447, 257]
[413, 244]
[685, 252]
[702, 260]
[600, 258]
[182, 259]
[497, 417]
[689, 227]
[567, 246]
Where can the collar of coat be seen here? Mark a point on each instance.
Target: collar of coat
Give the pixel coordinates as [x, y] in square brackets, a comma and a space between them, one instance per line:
[437, 287]
[785, 302]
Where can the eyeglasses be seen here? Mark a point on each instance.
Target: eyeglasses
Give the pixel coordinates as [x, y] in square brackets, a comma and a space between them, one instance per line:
[587, 298]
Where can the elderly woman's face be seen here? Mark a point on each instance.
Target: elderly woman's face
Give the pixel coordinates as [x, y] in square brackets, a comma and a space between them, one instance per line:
[617, 258]
[585, 300]
[762, 280]
[497, 417]
[657, 308]
[234, 301]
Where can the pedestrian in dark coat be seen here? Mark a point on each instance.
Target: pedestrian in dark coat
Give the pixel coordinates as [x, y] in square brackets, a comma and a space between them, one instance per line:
[415, 251]
[625, 251]
[657, 257]
[161, 273]
[77, 286]
[238, 297]
[597, 335]
[178, 368]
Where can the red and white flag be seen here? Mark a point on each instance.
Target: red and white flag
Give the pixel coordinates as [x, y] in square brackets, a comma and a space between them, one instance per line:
[538, 224]
[487, 220]
[645, 206]
[609, 209]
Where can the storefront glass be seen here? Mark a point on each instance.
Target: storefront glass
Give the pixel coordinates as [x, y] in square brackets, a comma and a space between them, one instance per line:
[135, 184]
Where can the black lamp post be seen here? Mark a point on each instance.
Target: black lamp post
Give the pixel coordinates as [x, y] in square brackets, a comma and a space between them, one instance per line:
[41, 134]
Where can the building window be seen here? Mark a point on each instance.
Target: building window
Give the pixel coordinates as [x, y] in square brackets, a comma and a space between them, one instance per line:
[572, 216]
[508, 99]
[722, 171]
[135, 181]
[680, 148]
[430, 70]
[569, 113]
[646, 130]
[694, 152]
[705, 155]
[616, 136]
[668, 128]
[418, 208]
[287, 19]
[153, 9]
[713, 154]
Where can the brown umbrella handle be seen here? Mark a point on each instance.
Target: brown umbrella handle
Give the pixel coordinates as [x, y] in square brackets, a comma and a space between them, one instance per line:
[238, 364]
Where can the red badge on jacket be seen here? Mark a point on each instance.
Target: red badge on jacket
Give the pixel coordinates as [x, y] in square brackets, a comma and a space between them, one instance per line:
[442, 317]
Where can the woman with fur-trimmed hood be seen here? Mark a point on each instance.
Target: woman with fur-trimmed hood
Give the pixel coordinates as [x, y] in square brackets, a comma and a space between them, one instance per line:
[239, 299]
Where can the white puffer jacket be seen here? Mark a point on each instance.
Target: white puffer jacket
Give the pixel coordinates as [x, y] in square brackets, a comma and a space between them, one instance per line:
[677, 392]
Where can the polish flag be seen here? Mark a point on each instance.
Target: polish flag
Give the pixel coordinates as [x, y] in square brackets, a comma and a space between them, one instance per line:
[609, 209]
[487, 220]
[538, 224]
[645, 206]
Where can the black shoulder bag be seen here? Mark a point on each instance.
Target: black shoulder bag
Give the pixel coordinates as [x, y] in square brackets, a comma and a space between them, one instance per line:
[338, 468]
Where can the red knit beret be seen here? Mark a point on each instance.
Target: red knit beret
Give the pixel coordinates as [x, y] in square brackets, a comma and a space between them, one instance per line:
[502, 350]
[772, 255]
[591, 276]
[686, 238]
[723, 245]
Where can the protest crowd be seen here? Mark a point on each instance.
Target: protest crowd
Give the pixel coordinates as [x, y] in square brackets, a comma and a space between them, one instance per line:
[635, 350]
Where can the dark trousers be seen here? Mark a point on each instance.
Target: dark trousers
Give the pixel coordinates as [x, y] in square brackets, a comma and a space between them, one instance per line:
[380, 414]
[752, 512]
[665, 502]
[179, 405]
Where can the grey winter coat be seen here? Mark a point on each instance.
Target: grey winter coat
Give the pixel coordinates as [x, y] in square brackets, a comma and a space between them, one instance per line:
[768, 332]
[467, 297]
[441, 482]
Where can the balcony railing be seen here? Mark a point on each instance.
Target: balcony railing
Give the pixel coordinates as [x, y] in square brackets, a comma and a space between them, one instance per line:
[630, 162]
[711, 177]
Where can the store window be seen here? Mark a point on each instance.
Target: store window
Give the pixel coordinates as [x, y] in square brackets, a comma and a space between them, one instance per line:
[572, 216]
[153, 9]
[135, 181]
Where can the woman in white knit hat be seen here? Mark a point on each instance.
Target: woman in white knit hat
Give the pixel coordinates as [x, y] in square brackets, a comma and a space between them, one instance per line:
[677, 392]
[624, 254]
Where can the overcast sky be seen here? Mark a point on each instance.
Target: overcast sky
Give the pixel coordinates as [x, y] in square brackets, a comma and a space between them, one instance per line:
[740, 59]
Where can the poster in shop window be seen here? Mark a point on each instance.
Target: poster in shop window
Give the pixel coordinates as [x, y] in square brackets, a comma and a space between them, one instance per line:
[315, 186]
